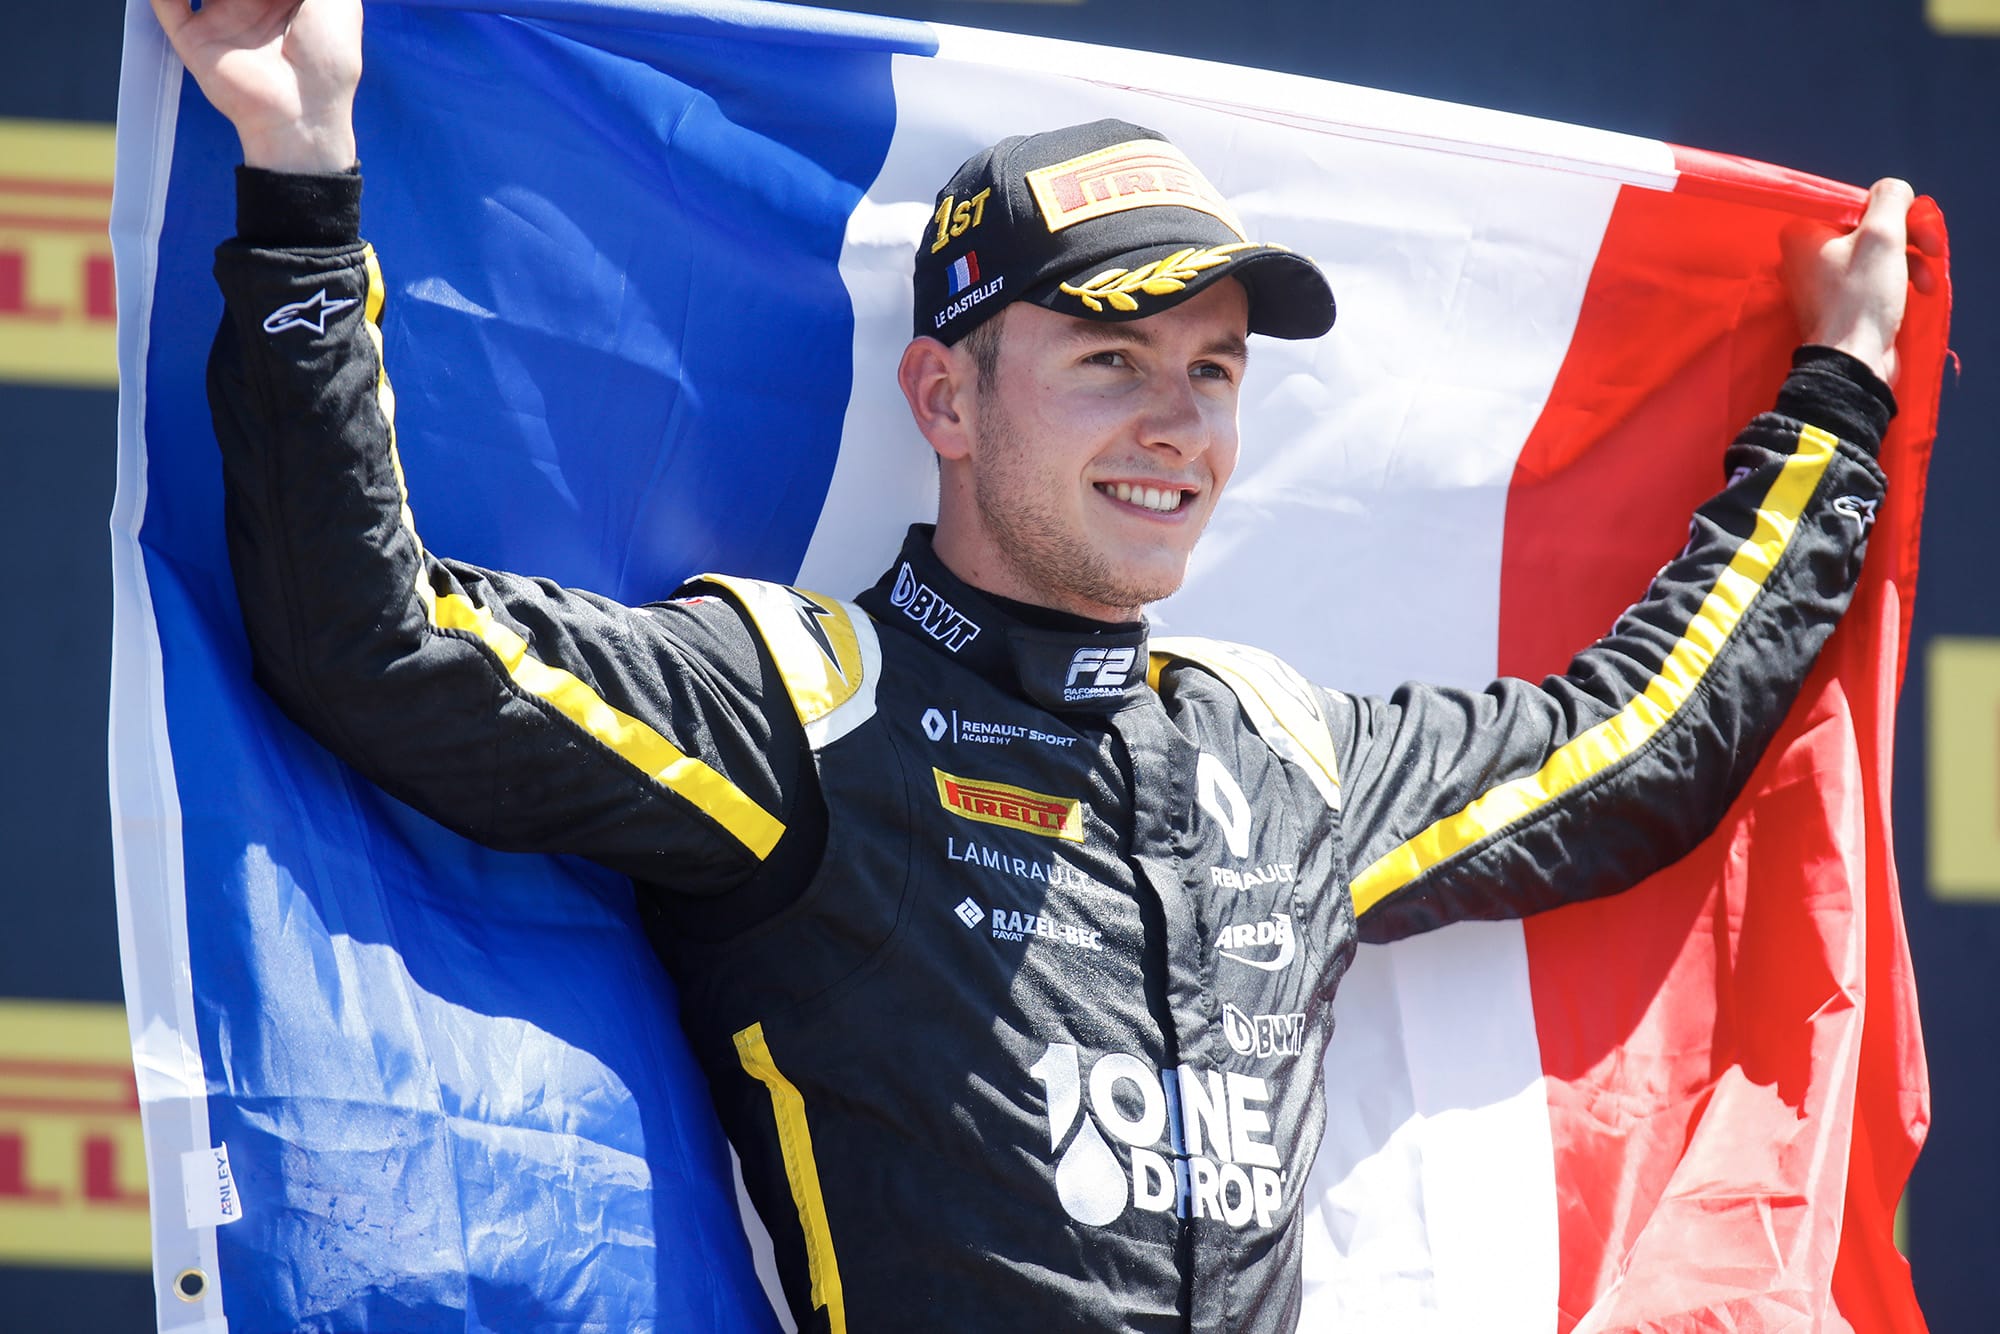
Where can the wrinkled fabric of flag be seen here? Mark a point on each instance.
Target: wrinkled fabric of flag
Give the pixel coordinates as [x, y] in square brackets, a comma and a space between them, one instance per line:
[649, 274]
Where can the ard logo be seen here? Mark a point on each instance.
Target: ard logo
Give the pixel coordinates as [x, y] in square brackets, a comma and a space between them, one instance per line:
[58, 308]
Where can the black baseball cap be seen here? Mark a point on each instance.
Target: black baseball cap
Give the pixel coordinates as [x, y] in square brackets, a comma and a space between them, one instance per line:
[1105, 221]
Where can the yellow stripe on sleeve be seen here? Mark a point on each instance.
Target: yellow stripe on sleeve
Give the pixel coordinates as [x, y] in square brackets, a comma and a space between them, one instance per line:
[631, 740]
[801, 1171]
[1617, 737]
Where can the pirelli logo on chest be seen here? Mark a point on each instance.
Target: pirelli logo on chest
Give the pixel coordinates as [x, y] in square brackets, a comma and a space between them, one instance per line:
[1010, 807]
[1137, 174]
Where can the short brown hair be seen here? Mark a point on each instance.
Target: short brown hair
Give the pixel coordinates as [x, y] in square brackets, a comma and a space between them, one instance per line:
[983, 342]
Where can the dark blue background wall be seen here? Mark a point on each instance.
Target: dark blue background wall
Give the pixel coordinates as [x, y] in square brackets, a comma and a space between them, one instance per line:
[1851, 89]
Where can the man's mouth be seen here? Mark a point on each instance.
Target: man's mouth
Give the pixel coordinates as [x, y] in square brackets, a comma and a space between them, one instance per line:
[1161, 500]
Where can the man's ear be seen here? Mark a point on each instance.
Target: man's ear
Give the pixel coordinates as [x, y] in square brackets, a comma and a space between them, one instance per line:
[937, 383]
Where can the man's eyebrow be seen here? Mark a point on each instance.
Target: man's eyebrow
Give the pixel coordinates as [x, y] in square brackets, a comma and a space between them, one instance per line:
[1229, 345]
[1109, 331]
[1232, 345]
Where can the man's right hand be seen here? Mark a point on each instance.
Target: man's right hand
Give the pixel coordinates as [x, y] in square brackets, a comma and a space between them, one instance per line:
[283, 71]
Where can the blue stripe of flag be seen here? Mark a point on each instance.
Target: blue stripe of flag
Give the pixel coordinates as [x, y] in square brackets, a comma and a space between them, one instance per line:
[558, 203]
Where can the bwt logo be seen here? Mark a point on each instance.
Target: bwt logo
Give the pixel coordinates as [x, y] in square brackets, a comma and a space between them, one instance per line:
[1263, 1035]
[939, 619]
[1226, 1169]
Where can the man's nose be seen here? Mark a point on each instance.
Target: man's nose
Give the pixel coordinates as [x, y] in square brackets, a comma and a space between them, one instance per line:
[1174, 418]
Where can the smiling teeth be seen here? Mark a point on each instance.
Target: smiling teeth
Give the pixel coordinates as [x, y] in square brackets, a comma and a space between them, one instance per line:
[1165, 502]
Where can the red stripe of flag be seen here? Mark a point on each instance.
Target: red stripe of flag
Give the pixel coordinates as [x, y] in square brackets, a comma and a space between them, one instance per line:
[1735, 1079]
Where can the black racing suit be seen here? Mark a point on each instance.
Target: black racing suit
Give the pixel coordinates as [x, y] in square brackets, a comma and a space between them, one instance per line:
[1008, 941]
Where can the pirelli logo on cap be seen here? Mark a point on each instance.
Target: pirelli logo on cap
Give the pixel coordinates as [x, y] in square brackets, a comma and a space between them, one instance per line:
[1138, 174]
[1011, 807]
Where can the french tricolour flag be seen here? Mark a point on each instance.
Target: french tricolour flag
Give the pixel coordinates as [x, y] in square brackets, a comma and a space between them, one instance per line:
[964, 272]
[649, 271]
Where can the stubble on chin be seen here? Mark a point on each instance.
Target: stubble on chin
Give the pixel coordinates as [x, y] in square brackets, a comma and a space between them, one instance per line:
[1024, 513]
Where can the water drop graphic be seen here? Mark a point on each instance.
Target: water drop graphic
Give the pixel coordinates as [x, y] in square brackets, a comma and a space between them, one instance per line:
[1089, 1182]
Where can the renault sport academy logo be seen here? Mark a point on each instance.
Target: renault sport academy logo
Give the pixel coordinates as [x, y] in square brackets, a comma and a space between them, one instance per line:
[1010, 807]
[939, 619]
[980, 732]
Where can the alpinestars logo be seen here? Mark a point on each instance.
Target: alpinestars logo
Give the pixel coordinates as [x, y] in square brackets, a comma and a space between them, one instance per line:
[1214, 1156]
[1098, 673]
[940, 620]
[1274, 932]
[310, 313]
[1857, 509]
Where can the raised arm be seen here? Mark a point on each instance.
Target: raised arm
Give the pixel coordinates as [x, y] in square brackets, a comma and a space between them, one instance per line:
[519, 713]
[1523, 797]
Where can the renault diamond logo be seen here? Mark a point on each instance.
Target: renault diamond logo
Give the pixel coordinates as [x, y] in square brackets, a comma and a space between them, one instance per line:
[934, 724]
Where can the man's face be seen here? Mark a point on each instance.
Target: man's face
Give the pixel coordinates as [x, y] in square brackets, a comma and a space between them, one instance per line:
[1100, 449]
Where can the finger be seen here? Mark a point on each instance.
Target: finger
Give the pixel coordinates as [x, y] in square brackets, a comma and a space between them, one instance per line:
[1884, 221]
[1802, 239]
[171, 14]
[1927, 227]
[1891, 195]
[1924, 275]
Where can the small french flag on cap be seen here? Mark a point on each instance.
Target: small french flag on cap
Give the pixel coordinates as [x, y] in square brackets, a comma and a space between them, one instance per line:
[964, 272]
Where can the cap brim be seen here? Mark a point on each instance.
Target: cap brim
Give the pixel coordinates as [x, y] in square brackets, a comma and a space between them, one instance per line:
[1289, 296]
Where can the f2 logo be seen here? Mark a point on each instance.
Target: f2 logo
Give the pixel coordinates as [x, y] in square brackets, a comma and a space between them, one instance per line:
[1109, 666]
[1223, 799]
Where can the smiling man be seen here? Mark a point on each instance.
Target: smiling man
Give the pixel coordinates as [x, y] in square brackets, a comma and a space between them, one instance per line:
[1007, 939]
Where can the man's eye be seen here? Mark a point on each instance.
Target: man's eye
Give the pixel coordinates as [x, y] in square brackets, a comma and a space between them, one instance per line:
[1106, 359]
[1212, 370]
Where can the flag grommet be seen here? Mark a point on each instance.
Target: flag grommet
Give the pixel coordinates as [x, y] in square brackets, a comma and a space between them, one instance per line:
[190, 1285]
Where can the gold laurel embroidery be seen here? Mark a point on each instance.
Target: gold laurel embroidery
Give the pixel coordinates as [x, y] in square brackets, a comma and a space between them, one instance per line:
[1162, 277]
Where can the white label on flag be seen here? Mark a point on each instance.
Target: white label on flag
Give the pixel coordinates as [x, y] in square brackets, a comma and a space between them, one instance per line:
[208, 1188]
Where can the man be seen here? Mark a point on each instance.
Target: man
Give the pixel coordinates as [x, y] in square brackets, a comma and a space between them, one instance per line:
[1089, 1096]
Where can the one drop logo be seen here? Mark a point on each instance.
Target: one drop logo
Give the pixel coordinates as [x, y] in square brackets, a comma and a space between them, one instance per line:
[1195, 1139]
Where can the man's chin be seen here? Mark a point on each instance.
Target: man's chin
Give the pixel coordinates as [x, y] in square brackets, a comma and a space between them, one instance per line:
[1143, 584]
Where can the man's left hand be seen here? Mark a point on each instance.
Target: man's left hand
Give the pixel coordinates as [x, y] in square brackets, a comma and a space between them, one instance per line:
[1849, 289]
